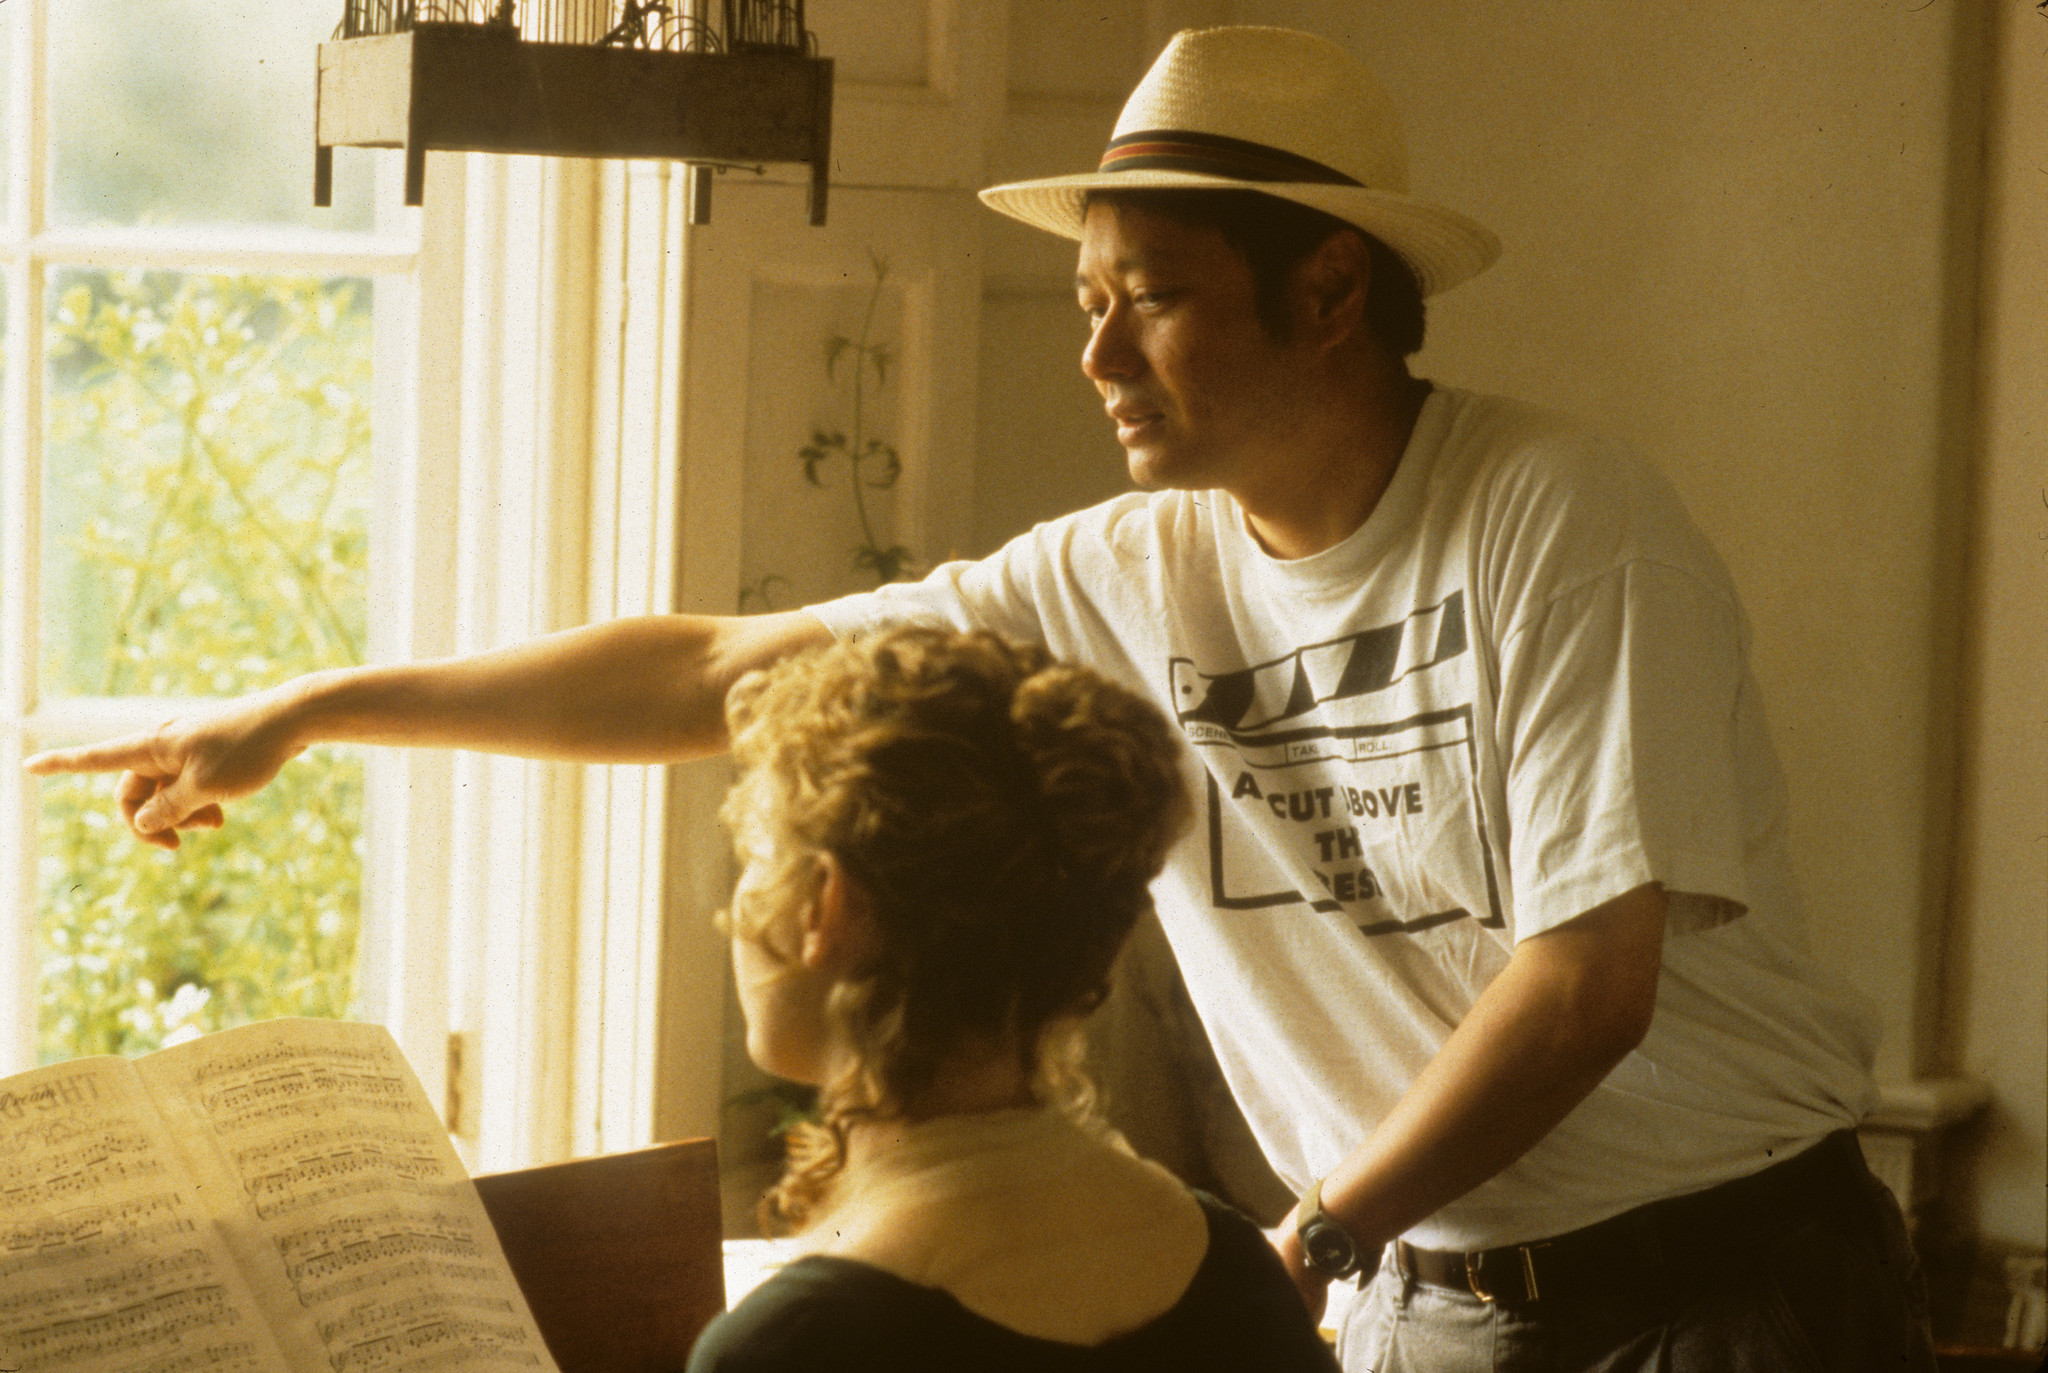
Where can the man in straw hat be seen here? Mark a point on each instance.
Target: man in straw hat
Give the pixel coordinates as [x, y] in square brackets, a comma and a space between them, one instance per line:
[1487, 910]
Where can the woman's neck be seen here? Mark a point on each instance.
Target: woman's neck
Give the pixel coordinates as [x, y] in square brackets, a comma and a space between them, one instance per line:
[967, 1084]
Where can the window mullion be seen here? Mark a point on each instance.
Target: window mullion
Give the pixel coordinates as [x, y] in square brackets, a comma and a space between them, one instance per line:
[404, 960]
[20, 541]
[520, 558]
[20, 535]
[623, 974]
[210, 249]
[29, 151]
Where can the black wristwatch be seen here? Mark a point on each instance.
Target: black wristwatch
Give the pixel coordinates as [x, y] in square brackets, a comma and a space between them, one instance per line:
[1326, 1247]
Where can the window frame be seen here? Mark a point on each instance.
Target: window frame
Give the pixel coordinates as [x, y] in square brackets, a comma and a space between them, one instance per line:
[544, 960]
[405, 257]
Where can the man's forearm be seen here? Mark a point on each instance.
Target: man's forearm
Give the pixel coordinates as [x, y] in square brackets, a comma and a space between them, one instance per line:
[644, 690]
[1570, 1005]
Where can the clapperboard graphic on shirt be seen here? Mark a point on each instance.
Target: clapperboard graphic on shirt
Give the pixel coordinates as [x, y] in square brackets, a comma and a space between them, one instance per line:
[1363, 747]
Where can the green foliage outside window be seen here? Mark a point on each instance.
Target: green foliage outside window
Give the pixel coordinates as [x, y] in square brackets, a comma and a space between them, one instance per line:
[208, 466]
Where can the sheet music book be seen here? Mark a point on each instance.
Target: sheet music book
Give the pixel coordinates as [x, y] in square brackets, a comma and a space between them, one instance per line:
[278, 1198]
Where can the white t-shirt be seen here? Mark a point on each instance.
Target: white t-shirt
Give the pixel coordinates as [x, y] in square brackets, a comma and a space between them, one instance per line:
[1518, 690]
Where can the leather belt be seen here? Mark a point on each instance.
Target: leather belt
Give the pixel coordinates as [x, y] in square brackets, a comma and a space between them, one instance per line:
[1675, 1241]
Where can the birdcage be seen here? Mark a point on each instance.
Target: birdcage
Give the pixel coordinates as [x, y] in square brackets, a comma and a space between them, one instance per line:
[713, 83]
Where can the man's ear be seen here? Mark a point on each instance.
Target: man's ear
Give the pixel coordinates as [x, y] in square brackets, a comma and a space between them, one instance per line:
[837, 924]
[1330, 289]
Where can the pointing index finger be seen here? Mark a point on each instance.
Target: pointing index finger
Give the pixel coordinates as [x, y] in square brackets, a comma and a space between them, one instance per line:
[130, 754]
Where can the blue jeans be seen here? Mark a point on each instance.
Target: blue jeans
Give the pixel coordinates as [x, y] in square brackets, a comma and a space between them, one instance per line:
[1830, 1294]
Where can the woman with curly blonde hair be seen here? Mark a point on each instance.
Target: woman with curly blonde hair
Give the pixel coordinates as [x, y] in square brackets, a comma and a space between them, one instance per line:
[946, 839]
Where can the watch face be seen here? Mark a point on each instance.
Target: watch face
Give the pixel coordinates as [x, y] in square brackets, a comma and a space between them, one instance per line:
[1327, 1248]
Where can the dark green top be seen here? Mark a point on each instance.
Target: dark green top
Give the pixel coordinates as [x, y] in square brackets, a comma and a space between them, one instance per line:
[1240, 1313]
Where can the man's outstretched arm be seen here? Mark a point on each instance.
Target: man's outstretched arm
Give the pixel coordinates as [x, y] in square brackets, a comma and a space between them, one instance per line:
[644, 690]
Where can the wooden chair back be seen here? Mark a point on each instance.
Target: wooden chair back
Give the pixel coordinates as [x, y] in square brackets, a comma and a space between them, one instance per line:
[619, 1256]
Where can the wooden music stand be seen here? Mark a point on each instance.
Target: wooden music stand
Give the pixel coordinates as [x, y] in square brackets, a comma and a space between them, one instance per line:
[619, 1256]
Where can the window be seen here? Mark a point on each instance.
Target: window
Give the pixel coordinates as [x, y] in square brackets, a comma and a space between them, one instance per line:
[241, 437]
[198, 433]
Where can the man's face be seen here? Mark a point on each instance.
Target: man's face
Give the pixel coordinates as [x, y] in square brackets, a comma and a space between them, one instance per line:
[1203, 397]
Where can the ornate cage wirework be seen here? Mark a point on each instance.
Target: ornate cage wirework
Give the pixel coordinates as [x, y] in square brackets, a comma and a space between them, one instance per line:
[656, 25]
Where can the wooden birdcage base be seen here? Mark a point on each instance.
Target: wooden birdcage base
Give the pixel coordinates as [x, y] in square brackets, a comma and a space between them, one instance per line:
[471, 88]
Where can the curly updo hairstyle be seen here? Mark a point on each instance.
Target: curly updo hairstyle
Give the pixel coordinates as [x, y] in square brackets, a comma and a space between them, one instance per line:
[1002, 812]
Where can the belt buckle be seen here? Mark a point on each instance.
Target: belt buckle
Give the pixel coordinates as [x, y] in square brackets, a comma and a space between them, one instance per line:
[1526, 1253]
[1472, 1277]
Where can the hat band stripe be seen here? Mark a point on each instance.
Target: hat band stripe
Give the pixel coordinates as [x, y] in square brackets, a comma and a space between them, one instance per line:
[1177, 150]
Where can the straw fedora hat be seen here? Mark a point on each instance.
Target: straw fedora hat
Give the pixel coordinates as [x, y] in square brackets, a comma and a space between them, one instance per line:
[1284, 113]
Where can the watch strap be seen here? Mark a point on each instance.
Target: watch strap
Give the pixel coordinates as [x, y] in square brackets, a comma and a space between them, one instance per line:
[1311, 1204]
